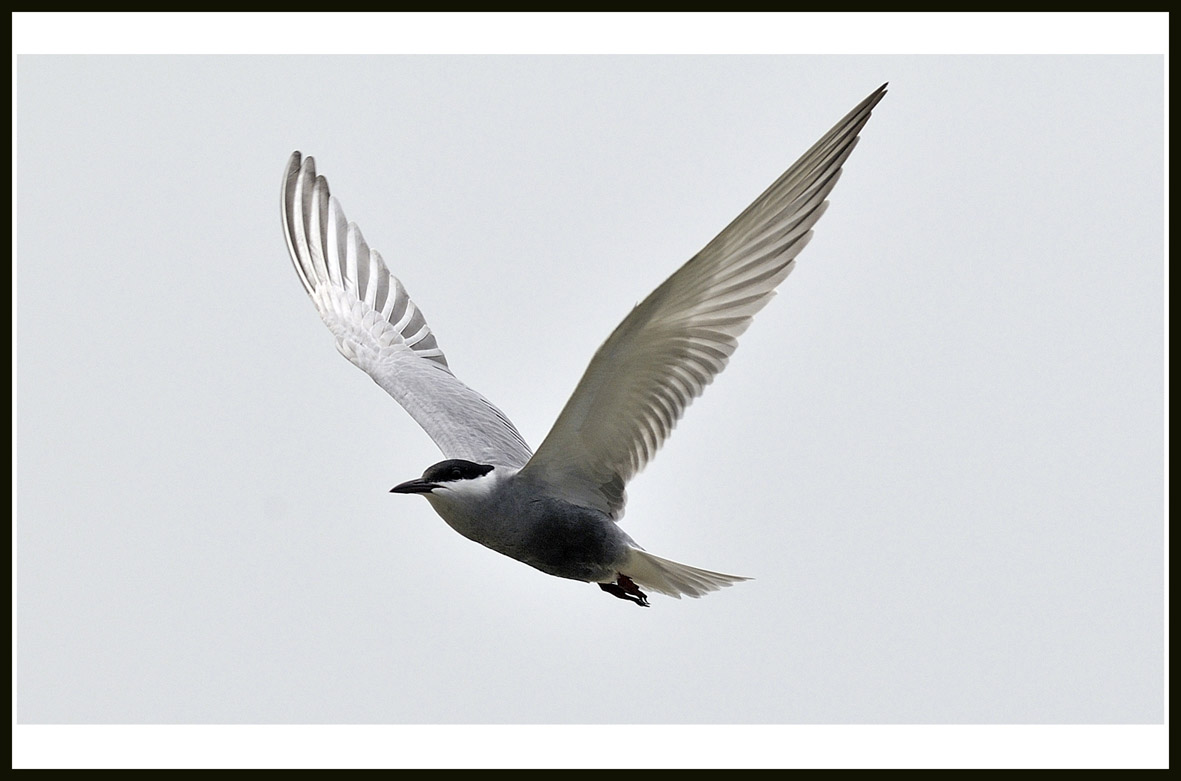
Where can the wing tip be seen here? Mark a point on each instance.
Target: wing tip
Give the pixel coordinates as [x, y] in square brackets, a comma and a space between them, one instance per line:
[876, 96]
[293, 163]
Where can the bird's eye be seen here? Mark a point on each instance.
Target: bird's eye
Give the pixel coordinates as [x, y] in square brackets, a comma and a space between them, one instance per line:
[456, 473]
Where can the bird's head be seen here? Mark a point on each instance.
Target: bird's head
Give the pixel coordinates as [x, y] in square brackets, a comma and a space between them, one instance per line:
[452, 475]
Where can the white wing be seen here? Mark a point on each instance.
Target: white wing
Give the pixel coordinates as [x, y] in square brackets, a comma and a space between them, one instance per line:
[379, 328]
[680, 337]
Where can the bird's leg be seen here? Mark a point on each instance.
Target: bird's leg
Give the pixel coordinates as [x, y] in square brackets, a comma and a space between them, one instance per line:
[629, 585]
[616, 591]
[625, 588]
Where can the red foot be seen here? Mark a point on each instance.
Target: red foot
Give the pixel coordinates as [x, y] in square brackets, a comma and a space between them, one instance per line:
[625, 588]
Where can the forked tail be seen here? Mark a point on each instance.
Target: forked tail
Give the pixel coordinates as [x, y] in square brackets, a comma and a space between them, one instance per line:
[673, 579]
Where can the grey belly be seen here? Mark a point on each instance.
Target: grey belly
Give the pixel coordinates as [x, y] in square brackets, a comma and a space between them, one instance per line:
[573, 542]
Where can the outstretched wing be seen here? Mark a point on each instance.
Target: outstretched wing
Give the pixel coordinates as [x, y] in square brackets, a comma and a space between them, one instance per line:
[379, 328]
[680, 337]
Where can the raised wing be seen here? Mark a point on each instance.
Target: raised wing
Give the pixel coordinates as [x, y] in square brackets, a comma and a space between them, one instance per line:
[680, 337]
[379, 328]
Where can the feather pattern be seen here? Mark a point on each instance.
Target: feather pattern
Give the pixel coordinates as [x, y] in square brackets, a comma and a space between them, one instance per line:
[674, 342]
[379, 329]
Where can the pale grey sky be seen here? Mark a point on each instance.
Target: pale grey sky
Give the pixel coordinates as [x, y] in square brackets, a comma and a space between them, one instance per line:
[938, 452]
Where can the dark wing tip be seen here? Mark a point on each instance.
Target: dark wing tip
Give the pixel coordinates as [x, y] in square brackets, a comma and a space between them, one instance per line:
[873, 99]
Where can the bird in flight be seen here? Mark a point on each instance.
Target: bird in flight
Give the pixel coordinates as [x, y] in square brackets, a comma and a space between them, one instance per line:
[557, 509]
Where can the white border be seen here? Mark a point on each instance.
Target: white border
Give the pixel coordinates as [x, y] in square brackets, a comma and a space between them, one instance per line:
[370, 746]
[590, 33]
[1084, 746]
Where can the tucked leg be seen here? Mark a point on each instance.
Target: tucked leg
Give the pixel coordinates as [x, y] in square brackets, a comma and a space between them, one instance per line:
[625, 588]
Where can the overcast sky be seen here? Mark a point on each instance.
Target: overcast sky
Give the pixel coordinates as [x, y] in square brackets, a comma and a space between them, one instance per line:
[938, 451]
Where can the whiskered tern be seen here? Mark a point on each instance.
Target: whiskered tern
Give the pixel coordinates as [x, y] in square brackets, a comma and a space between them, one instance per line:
[558, 509]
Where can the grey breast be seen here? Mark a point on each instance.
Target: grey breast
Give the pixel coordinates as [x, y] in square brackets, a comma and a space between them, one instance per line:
[570, 541]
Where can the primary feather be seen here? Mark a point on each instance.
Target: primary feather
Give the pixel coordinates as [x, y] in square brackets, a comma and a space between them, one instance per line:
[381, 330]
[673, 344]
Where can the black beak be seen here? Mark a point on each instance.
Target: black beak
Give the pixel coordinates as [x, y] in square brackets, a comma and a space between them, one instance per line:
[414, 487]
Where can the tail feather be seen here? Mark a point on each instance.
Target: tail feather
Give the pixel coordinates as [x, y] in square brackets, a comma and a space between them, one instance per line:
[673, 579]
